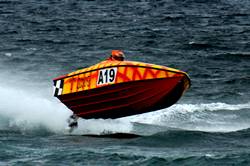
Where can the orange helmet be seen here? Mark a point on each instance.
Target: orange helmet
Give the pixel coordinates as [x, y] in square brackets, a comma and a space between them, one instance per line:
[117, 55]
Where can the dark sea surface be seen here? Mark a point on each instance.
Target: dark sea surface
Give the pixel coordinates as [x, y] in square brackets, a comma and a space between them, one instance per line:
[210, 40]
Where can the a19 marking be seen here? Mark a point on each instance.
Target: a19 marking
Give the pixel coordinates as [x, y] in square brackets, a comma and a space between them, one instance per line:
[106, 76]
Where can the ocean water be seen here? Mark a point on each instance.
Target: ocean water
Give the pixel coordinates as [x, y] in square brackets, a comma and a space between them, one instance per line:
[210, 40]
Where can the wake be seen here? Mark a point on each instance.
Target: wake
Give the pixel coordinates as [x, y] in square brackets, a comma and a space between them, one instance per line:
[27, 111]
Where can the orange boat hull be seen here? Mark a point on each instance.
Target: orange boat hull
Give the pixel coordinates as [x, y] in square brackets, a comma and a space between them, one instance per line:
[122, 97]
[125, 99]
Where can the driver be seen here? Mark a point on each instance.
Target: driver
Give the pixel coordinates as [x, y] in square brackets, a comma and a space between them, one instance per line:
[117, 55]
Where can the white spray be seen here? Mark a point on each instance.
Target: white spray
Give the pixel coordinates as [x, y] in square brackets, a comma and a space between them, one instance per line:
[27, 111]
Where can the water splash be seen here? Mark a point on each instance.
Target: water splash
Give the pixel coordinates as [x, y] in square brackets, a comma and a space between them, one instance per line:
[211, 117]
[24, 110]
[101, 126]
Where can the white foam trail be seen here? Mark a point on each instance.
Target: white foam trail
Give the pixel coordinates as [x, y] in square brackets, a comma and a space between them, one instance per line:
[211, 107]
[101, 126]
[185, 108]
[201, 117]
[27, 111]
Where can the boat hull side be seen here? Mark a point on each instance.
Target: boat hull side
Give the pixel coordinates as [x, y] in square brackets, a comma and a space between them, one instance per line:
[125, 99]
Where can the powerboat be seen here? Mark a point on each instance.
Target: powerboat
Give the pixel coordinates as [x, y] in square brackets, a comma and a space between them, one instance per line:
[115, 89]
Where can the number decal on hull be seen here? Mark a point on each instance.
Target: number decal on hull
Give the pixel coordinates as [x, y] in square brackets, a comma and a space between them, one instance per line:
[106, 76]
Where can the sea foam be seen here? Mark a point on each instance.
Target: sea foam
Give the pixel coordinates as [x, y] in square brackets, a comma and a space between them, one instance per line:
[25, 110]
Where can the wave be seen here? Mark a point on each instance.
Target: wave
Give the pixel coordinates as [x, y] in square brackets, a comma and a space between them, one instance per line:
[210, 117]
[26, 111]
[231, 56]
[195, 139]
[199, 159]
